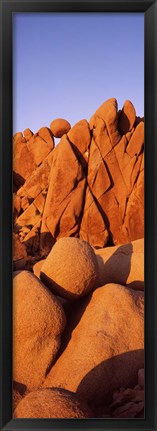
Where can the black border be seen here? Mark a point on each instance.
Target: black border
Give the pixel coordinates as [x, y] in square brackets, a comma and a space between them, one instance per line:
[149, 8]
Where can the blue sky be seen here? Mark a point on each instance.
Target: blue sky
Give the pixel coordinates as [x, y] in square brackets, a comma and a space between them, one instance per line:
[67, 64]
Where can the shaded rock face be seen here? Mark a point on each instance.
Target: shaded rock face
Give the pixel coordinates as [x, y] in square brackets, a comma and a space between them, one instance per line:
[71, 268]
[122, 264]
[105, 350]
[52, 403]
[38, 321]
[90, 186]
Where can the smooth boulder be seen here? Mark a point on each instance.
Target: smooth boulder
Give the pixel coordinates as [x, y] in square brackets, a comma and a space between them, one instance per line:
[52, 403]
[59, 127]
[38, 321]
[71, 268]
[105, 350]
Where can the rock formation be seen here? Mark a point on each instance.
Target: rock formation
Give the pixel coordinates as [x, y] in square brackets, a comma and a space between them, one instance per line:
[78, 225]
[90, 186]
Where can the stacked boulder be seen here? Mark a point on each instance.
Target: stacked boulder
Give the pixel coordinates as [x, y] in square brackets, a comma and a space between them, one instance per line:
[78, 285]
[90, 186]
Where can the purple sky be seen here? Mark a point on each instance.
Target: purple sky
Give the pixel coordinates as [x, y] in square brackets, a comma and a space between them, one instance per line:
[67, 64]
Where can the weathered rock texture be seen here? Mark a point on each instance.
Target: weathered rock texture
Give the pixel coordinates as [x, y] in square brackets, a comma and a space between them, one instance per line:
[122, 264]
[71, 268]
[52, 403]
[90, 186]
[38, 322]
[105, 350]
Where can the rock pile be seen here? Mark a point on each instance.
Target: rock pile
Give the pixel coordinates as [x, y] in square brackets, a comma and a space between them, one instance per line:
[91, 186]
[78, 251]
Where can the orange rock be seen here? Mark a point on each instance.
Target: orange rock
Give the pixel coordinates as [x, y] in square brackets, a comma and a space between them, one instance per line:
[105, 350]
[136, 142]
[108, 113]
[71, 268]
[23, 164]
[29, 217]
[59, 127]
[38, 180]
[127, 117]
[93, 228]
[133, 226]
[79, 136]
[28, 134]
[36, 336]
[39, 148]
[19, 253]
[52, 403]
[113, 179]
[64, 202]
[32, 238]
[122, 264]
[46, 134]
[16, 205]
[18, 140]
[37, 267]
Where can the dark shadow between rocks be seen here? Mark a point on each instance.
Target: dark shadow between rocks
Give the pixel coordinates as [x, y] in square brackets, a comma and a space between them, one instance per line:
[18, 181]
[123, 123]
[98, 385]
[74, 311]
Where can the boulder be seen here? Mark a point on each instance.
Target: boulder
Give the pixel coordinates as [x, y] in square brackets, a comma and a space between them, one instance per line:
[23, 164]
[114, 168]
[80, 136]
[46, 134]
[38, 321]
[105, 350]
[122, 264]
[37, 267]
[127, 117]
[52, 403]
[27, 134]
[59, 127]
[108, 113]
[39, 148]
[65, 197]
[71, 268]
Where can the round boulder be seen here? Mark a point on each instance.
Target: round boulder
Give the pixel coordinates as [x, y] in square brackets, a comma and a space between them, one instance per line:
[71, 268]
[59, 127]
[38, 322]
[52, 403]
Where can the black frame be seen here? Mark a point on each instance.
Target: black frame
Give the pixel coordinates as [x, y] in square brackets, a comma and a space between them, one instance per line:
[149, 8]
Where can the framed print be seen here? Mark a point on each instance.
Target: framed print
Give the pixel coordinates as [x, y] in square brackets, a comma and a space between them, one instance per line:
[78, 215]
